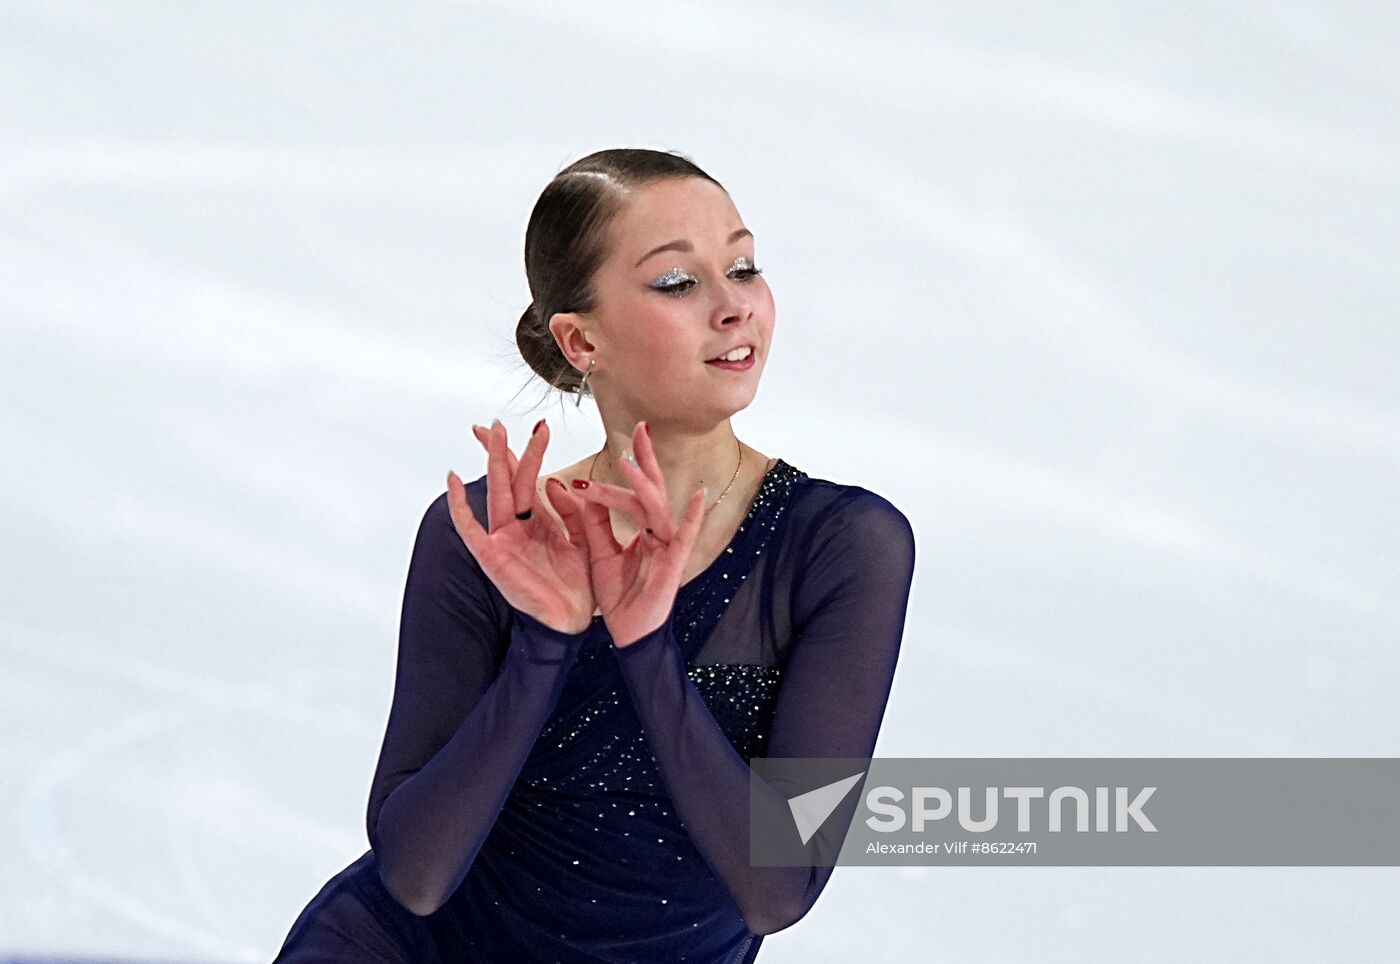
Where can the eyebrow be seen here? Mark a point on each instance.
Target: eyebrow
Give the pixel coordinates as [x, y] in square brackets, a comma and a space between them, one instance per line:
[683, 245]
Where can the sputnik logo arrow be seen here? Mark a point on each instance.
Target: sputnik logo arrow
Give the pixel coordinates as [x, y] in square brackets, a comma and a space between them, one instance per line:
[810, 809]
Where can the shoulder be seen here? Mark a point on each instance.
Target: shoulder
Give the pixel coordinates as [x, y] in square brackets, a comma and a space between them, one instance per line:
[438, 541]
[837, 516]
[850, 546]
[438, 514]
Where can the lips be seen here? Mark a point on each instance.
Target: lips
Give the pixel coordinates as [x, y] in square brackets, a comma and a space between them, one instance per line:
[735, 348]
[733, 366]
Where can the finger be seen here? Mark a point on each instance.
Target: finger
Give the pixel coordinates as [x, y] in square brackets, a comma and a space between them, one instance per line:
[646, 461]
[652, 496]
[570, 509]
[500, 502]
[646, 455]
[689, 528]
[483, 435]
[463, 518]
[597, 529]
[527, 470]
[615, 497]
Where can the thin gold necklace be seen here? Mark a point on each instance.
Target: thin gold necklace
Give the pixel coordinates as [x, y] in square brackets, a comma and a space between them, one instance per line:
[712, 504]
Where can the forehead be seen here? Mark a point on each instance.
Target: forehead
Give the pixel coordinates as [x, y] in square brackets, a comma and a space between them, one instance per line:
[691, 208]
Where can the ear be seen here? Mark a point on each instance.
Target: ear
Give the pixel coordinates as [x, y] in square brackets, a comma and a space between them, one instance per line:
[571, 333]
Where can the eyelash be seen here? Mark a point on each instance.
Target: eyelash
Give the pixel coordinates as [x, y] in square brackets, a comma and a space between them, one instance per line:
[678, 289]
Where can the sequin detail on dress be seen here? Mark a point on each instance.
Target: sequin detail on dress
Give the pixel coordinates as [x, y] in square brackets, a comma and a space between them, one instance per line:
[740, 695]
[701, 601]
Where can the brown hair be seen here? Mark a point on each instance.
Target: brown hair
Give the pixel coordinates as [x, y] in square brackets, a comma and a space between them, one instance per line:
[564, 245]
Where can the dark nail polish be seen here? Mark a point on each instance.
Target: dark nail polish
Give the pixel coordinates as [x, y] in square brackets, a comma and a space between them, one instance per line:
[579, 483]
[537, 427]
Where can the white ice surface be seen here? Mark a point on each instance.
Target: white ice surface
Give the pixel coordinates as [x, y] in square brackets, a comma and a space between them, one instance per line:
[1103, 295]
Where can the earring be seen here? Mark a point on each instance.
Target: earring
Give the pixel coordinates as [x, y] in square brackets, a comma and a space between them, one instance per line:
[583, 383]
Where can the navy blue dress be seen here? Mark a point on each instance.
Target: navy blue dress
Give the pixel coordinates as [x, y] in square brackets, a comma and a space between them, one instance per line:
[544, 796]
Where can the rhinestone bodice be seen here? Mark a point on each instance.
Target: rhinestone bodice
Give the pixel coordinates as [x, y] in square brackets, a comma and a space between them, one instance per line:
[593, 741]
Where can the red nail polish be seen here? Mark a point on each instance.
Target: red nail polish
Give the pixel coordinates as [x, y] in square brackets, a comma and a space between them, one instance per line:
[646, 428]
[537, 427]
[579, 483]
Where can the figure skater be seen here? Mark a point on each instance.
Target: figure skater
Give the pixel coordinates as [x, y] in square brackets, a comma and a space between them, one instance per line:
[588, 662]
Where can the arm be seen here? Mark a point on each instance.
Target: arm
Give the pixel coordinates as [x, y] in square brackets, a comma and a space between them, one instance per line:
[459, 729]
[849, 609]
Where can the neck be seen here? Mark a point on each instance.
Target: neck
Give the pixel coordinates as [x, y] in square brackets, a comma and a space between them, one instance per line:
[688, 460]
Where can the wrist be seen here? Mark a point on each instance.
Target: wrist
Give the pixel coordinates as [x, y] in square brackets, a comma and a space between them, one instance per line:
[642, 641]
[542, 630]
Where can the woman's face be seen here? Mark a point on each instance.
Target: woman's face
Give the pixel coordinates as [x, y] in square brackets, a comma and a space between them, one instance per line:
[661, 315]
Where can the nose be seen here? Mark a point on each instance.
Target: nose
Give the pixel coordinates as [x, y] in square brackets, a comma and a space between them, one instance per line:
[734, 307]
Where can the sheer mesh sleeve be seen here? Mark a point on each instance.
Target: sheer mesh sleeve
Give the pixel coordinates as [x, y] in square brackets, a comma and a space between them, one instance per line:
[476, 679]
[849, 606]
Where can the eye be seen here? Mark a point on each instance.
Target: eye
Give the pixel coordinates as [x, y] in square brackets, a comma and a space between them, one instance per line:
[745, 267]
[677, 283]
[674, 282]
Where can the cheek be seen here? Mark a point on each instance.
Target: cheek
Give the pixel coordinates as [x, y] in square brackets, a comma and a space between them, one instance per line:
[659, 339]
[764, 310]
[762, 296]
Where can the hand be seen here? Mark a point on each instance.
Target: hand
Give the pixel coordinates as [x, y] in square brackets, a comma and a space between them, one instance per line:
[636, 585]
[540, 569]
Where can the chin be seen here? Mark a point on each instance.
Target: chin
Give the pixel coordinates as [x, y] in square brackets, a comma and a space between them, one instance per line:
[737, 400]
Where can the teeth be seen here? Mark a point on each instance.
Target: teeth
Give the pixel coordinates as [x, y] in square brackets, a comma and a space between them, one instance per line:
[738, 354]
